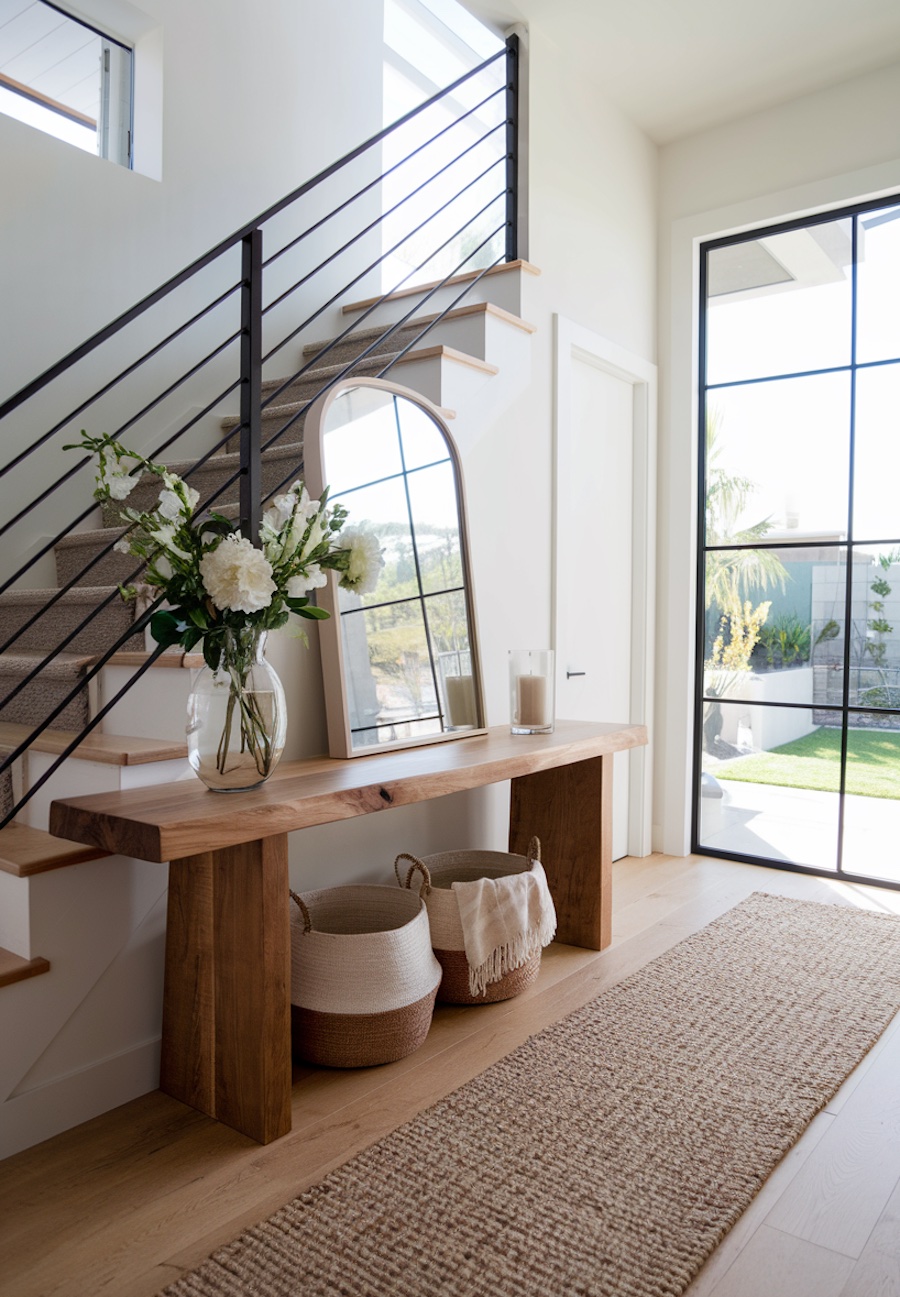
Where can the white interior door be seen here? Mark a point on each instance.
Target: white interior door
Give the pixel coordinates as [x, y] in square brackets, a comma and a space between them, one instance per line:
[604, 545]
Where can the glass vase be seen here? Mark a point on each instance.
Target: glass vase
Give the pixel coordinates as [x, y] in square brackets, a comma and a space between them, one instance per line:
[237, 721]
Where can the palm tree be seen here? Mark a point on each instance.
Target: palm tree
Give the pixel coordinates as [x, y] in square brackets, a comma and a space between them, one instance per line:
[733, 574]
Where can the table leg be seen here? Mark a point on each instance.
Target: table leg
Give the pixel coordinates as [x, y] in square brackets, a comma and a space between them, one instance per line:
[226, 1006]
[570, 810]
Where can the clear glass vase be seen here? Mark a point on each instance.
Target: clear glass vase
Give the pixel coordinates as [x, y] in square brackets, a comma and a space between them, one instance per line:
[237, 720]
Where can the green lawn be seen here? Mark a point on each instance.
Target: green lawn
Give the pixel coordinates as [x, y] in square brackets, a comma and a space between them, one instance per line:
[873, 764]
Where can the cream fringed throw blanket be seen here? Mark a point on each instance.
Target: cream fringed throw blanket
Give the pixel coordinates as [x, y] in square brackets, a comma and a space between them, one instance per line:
[505, 921]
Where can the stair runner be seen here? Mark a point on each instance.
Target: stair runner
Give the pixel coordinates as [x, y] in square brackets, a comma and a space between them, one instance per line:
[31, 701]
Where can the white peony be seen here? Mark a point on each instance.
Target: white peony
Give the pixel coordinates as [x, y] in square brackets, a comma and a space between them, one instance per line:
[237, 576]
[365, 561]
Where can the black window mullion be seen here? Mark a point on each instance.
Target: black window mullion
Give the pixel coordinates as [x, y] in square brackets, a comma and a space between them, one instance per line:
[850, 546]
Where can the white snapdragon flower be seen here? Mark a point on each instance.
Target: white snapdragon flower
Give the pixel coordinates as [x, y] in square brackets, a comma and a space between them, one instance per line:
[237, 576]
[177, 499]
[164, 536]
[122, 547]
[313, 579]
[365, 562]
[119, 485]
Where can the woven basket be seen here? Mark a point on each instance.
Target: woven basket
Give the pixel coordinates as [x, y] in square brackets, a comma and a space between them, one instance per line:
[363, 975]
[439, 873]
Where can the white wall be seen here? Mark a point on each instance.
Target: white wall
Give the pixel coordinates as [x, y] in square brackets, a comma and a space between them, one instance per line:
[812, 153]
[255, 99]
[592, 216]
[244, 88]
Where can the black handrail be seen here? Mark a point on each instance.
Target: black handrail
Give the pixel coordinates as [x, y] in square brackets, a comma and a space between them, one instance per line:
[255, 349]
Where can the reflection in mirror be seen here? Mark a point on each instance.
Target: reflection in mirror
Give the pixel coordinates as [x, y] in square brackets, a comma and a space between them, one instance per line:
[400, 664]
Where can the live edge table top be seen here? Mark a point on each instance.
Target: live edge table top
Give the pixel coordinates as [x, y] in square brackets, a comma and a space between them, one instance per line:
[172, 821]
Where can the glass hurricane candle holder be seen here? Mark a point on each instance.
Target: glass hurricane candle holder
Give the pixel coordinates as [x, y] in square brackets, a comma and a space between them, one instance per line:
[531, 691]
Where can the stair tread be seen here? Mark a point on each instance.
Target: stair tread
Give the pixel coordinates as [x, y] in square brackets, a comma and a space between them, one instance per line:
[328, 371]
[15, 968]
[421, 321]
[61, 665]
[25, 851]
[88, 594]
[106, 749]
[437, 283]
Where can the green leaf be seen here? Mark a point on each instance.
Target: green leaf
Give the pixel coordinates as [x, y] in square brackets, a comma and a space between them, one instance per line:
[315, 614]
[212, 652]
[165, 629]
[218, 525]
[199, 618]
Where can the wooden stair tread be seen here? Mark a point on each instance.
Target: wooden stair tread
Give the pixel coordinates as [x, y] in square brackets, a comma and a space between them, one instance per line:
[171, 658]
[107, 749]
[437, 283]
[25, 851]
[13, 968]
[425, 321]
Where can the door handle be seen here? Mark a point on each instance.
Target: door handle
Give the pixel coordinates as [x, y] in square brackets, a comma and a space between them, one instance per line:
[569, 674]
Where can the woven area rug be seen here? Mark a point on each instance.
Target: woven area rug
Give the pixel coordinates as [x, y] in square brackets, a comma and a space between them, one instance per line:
[609, 1154]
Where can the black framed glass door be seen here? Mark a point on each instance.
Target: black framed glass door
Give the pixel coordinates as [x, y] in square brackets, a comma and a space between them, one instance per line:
[797, 710]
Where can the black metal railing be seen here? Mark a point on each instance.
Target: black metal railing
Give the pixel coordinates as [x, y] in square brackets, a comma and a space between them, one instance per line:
[168, 372]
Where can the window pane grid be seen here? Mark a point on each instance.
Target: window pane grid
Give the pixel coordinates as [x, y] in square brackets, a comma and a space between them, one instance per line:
[798, 638]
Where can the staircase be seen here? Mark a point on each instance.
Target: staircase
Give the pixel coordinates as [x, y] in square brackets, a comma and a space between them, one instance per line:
[71, 909]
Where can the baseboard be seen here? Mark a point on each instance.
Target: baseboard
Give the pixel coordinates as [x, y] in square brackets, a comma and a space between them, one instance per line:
[39, 1114]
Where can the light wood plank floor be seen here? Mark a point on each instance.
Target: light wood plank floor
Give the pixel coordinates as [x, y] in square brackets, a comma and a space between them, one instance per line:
[124, 1203]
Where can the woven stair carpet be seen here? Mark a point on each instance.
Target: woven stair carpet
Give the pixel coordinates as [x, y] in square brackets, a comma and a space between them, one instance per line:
[610, 1154]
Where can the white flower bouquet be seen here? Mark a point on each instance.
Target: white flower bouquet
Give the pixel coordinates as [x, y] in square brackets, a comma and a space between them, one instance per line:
[223, 592]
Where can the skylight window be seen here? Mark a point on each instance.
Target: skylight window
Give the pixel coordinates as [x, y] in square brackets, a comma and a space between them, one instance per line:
[66, 78]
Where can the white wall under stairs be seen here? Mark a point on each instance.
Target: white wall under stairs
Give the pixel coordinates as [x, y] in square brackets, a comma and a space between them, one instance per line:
[84, 1037]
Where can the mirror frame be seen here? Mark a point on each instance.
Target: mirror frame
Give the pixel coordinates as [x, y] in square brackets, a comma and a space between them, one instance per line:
[340, 739]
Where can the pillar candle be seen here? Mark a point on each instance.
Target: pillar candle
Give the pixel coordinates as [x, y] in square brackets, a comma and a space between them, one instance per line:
[532, 698]
[460, 700]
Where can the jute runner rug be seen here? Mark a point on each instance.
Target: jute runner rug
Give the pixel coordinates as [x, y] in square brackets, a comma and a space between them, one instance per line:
[609, 1154]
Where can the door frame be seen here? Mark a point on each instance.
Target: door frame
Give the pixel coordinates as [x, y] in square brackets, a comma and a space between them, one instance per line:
[573, 342]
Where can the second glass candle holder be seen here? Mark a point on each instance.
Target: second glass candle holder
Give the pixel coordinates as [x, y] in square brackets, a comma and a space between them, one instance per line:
[531, 691]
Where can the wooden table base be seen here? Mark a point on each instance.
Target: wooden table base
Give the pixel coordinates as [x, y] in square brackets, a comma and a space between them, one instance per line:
[226, 1046]
[226, 1005]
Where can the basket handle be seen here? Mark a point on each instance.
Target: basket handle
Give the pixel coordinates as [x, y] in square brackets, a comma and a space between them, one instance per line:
[307, 921]
[534, 849]
[416, 864]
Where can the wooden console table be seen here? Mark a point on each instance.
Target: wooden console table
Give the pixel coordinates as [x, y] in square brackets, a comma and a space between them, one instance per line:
[226, 1004]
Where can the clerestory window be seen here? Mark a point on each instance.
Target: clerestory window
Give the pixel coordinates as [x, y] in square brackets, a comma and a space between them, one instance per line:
[66, 78]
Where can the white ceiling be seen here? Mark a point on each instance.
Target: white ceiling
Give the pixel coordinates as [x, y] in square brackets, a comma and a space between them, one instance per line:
[680, 66]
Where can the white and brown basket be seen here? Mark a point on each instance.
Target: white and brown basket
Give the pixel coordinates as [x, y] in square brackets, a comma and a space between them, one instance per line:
[438, 874]
[363, 975]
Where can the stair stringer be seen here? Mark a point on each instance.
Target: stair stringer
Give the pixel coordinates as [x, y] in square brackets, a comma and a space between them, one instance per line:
[84, 1038]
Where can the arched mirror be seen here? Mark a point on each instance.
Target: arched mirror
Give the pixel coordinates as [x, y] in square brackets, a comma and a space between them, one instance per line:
[400, 664]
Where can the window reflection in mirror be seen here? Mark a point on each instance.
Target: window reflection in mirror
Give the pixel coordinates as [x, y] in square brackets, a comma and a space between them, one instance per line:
[400, 663]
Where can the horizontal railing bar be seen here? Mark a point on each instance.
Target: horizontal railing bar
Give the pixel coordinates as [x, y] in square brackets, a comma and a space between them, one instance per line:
[92, 723]
[368, 270]
[44, 495]
[393, 329]
[113, 382]
[233, 240]
[379, 220]
[380, 178]
[173, 387]
[61, 646]
[35, 558]
[399, 324]
[70, 529]
[115, 436]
